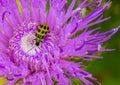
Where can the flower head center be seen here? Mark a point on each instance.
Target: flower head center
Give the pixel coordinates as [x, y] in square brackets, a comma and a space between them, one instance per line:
[29, 41]
[27, 44]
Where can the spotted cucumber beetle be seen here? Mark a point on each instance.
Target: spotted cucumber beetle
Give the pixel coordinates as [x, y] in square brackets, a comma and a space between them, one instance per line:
[41, 32]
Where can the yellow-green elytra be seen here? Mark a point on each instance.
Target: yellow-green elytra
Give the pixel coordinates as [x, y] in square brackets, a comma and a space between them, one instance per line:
[41, 32]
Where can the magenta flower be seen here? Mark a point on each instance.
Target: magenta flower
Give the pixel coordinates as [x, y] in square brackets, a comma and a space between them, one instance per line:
[37, 44]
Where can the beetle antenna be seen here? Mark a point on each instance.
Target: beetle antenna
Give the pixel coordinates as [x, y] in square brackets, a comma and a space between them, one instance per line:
[30, 49]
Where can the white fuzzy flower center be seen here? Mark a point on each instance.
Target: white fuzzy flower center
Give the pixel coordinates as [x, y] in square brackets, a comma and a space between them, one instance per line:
[28, 44]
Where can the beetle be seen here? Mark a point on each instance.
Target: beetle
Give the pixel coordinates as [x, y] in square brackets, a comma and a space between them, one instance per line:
[41, 32]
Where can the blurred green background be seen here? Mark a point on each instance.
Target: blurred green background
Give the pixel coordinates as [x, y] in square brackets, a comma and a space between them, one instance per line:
[107, 69]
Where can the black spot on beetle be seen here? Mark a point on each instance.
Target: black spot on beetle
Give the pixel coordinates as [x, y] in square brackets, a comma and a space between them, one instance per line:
[44, 27]
[48, 28]
[42, 32]
[42, 37]
[41, 26]
[39, 30]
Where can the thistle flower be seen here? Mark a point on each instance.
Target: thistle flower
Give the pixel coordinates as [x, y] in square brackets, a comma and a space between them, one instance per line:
[29, 54]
